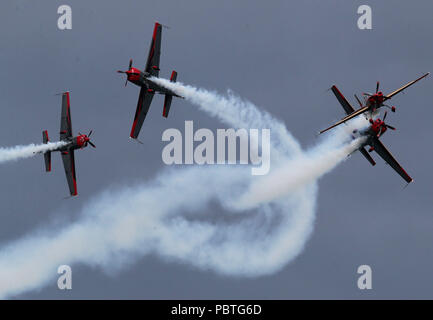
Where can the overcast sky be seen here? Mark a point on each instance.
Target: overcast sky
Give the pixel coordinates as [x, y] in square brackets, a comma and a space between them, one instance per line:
[281, 55]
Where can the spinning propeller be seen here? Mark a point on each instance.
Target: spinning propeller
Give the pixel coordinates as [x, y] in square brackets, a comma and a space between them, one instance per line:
[369, 94]
[383, 125]
[87, 138]
[128, 72]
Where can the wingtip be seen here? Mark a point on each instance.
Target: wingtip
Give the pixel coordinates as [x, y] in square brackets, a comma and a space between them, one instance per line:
[62, 93]
[157, 24]
[136, 140]
[330, 88]
[71, 196]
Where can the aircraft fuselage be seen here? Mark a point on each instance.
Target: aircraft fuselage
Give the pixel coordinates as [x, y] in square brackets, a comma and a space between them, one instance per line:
[375, 101]
[74, 143]
[375, 130]
[143, 79]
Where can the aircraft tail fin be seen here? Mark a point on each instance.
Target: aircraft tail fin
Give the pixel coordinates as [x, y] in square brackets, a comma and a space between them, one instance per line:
[168, 97]
[173, 77]
[367, 156]
[47, 155]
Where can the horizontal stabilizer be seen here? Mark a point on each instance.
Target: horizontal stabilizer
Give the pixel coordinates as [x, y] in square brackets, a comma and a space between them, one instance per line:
[167, 105]
[173, 76]
[45, 138]
[168, 97]
[47, 155]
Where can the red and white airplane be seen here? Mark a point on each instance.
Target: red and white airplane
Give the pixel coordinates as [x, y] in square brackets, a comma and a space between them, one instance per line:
[372, 102]
[143, 79]
[72, 143]
[377, 128]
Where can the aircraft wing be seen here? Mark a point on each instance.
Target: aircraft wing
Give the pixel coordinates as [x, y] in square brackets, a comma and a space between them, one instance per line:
[387, 156]
[65, 120]
[69, 165]
[143, 104]
[350, 116]
[152, 65]
[344, 103]
[389, 96]
[367, 156]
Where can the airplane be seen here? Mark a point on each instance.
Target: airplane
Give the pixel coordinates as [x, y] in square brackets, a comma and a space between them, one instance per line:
[372, 102]
[71, 143]
[377, 128]
[143, 79]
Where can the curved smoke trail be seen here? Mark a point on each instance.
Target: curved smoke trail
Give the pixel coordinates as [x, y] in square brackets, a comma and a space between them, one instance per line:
[117, 227]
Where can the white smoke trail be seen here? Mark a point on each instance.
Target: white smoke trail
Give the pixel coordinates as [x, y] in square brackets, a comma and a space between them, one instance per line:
[169, 215]
[236, 112]
[295, 173]
[21, 152]
[305, 168]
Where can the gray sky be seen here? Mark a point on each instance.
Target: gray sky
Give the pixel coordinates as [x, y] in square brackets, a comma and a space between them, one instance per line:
[281, 55]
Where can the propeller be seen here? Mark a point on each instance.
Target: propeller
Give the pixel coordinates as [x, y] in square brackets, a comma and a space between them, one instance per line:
[90, 142]
[126, 72]
[359, 101]
[386, 125]
[381, 131]
[377, 86]
[389, 107]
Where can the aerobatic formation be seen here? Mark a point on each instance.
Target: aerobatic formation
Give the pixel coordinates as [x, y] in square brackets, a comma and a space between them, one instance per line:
[150, 83]
[265, 201]
[372, 102]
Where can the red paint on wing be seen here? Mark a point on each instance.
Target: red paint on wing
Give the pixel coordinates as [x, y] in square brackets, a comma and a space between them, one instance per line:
[173, 74]
[69, 113]
[155, 30]
[137, 113]
[75, 180]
